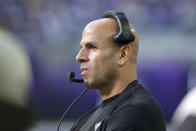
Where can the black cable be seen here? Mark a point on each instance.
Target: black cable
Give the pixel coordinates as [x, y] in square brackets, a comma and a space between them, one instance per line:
[64, 114]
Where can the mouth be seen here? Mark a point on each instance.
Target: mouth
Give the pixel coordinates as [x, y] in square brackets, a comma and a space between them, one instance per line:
[84, 71]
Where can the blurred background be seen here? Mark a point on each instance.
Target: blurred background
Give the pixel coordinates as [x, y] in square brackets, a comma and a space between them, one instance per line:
[50, 31]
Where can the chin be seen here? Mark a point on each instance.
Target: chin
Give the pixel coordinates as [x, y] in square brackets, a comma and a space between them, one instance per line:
[89, 85]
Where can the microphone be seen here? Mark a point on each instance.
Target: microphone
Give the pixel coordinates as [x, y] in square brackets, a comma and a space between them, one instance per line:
[71, 78]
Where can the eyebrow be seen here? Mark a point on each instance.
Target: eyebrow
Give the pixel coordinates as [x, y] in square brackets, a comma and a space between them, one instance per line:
[89, 43]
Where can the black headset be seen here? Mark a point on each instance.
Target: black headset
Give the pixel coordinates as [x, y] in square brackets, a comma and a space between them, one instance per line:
[124, 36]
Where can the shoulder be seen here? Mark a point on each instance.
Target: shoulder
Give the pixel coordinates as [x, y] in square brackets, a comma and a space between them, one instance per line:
[137, 95]
[142, 99]
[139, 109]
[128, 117]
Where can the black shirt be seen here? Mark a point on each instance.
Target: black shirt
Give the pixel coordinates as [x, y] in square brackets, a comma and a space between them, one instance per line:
[96, 117]
[134, 109]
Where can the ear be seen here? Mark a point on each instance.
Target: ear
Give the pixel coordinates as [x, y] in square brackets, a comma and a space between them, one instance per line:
[124, 54]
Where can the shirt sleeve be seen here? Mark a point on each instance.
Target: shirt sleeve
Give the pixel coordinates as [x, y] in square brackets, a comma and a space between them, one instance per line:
[128, 118]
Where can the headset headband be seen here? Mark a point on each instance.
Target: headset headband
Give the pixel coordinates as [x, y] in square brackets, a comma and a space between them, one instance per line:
[125, 35]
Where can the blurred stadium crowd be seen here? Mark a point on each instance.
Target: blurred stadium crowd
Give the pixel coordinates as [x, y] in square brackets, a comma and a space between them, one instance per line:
[50, 31]
[60, 17]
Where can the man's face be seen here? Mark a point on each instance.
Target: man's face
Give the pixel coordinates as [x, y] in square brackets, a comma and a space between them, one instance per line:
[98, 53]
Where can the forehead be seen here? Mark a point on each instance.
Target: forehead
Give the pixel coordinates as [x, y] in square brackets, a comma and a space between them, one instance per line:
[99, 31]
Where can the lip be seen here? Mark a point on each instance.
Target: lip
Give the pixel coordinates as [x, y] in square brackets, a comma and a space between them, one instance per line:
[84, 71]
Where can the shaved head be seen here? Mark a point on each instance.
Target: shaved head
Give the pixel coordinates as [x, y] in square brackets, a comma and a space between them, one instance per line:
[108, 24]
[110, 27]
[106, 27]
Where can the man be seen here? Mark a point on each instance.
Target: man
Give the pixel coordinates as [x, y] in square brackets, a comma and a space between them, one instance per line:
[111, 67]
[15, 82]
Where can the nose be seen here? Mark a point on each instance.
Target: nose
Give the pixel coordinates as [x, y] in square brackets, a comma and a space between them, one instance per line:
[82, 56]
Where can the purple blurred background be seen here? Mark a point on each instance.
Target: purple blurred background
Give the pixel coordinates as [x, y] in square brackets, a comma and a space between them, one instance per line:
[51, 31]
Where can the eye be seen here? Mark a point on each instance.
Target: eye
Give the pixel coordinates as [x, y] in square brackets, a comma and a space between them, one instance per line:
[91, 46]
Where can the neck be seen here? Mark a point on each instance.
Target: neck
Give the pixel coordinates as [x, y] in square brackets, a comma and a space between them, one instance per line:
[116, 87]
[125, 75]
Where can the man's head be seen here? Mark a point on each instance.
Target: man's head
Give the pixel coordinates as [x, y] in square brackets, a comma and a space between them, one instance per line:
[102, 59]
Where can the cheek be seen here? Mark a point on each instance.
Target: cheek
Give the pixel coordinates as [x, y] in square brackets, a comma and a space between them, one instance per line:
[102, 62]
[95, 61]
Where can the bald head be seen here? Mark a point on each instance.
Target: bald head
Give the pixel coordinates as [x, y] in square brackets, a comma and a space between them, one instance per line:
[108, 27]
[103, 28]
[104, 23]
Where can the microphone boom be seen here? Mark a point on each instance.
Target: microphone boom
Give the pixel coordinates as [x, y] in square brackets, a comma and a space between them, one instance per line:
[71, 78]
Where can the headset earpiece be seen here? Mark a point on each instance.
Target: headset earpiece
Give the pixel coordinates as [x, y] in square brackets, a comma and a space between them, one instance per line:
[125, 35]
